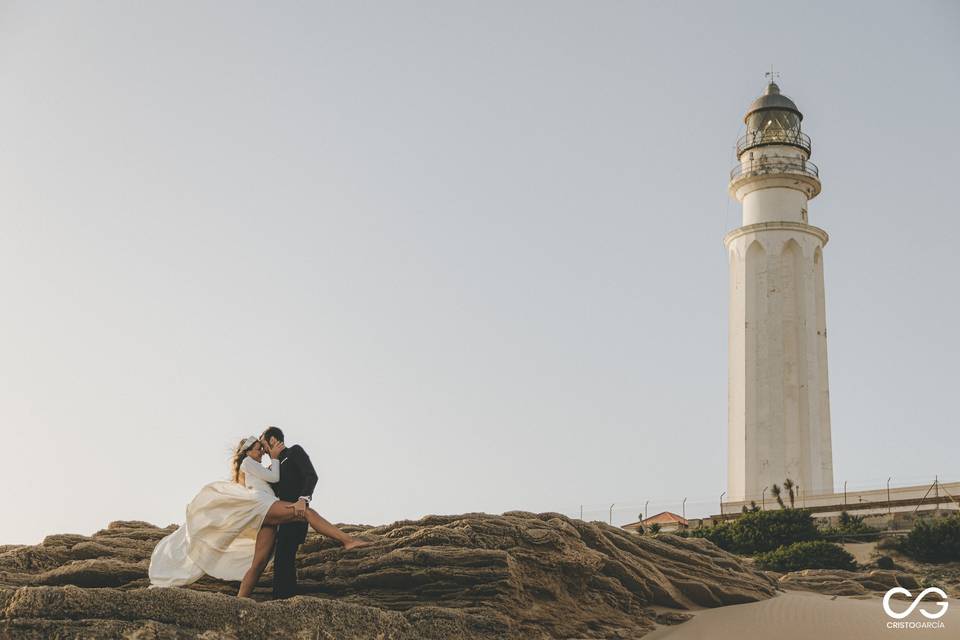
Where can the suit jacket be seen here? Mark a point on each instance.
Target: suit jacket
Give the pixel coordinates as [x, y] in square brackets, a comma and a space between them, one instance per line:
[297, 478]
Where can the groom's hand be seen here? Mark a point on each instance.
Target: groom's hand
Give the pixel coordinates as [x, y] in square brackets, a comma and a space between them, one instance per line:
[300, 509]
[268, 449]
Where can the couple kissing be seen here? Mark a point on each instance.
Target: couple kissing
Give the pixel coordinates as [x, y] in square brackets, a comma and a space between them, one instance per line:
[234, 527]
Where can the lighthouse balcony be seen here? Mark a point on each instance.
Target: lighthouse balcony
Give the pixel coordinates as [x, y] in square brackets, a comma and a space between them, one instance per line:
[774, 165]
[759, 138]
[791, 172]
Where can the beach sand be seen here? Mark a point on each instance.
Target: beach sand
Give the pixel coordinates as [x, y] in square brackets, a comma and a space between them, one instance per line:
[802, 615]
[862, 552]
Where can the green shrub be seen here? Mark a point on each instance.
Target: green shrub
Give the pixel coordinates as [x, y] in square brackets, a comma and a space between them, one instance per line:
[853, 527]
[759, 531]
[936, 540]
[720, 534]
[812, 554]
[888, 542]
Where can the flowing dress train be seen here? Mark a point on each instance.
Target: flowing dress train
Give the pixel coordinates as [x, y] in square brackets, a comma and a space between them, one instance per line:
[220, 532]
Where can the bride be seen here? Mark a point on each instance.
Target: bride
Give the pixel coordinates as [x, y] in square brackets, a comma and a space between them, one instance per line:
[231, 526]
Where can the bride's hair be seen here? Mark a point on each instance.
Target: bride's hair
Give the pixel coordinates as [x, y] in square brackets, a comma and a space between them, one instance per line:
[238, 455]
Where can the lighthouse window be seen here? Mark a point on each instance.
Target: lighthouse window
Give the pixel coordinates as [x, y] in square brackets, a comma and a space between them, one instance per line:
[771, 121]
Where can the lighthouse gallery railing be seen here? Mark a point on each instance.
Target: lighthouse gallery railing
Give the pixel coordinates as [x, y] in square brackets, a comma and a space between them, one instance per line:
[768, 165]
[773, 136]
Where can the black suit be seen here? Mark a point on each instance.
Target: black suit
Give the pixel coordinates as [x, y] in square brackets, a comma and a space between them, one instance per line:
[297, 478]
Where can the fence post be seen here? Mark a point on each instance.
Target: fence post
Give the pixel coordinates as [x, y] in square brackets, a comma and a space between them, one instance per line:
[936, 493]
[920, 504]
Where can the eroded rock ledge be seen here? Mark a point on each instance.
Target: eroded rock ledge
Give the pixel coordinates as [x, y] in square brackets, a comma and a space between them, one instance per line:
[516, 575]
[847, 583]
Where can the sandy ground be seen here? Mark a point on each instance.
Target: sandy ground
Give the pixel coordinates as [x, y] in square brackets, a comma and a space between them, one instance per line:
[801, 615]
[862, 552]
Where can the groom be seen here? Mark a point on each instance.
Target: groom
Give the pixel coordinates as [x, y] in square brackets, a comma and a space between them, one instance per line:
[297, 481]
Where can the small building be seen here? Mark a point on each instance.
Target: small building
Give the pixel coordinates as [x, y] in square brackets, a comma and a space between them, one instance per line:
[667, 520]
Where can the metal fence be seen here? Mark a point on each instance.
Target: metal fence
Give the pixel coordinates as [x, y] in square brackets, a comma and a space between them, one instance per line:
[628, 510]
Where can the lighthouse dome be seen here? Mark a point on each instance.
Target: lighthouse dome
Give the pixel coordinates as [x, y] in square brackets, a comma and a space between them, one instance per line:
[772, 99]
[773, 119]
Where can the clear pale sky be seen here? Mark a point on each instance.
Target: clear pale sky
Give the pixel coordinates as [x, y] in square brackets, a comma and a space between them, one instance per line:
[467, 254]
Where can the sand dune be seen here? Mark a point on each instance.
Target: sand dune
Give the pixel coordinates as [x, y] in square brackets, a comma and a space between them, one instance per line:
[801, 615]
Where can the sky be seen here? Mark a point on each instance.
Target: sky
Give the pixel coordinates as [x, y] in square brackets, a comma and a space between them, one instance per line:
[469, 255]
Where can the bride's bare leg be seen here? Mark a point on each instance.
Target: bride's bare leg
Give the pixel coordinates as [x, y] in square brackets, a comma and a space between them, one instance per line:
[282, 511]
[261, 556]
[320, 525]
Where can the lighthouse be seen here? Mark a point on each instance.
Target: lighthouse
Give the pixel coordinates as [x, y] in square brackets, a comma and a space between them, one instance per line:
[778, 394]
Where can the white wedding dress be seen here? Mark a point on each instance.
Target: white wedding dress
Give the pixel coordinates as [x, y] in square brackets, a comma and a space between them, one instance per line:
[220, 532]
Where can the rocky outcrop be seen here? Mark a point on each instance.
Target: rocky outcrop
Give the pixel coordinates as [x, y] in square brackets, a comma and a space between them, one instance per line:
[846, 583]
[516, 575]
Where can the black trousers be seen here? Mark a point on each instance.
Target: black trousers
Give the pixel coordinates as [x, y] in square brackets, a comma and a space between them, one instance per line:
[284, 565]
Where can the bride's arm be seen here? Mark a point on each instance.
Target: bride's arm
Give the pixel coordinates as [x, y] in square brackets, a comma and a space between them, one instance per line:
[254, 468]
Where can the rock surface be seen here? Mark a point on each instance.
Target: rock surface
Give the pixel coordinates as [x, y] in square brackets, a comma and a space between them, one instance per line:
[516, 575]
[847, 583]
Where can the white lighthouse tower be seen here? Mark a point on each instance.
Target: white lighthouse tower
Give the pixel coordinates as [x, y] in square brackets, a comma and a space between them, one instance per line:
[779, 403]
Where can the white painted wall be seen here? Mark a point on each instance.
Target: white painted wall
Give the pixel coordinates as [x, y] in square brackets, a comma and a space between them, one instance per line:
[778, 392]
[774, 204]
[778, 411]
[773, 198]
[856, 496]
